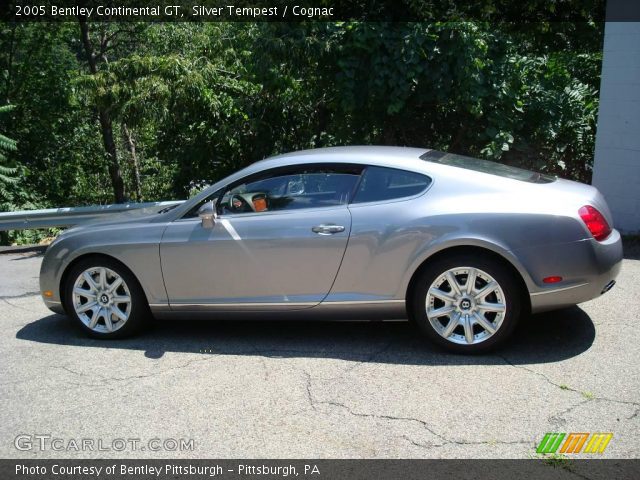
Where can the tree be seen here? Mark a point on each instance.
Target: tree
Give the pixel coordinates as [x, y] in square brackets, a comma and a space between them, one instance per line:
[93, 56]
[7, 174]
[148, 108]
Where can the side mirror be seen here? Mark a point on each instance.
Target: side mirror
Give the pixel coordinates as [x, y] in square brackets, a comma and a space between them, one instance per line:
[207, 214]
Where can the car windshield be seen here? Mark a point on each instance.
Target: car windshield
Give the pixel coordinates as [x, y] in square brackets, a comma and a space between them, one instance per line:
[166, 209]
[486, 166]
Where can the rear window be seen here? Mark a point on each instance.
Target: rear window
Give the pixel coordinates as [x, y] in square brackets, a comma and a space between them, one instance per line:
[381, 183]
[486, 166]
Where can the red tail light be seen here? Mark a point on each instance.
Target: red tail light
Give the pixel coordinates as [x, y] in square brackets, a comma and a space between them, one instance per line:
[595, 222]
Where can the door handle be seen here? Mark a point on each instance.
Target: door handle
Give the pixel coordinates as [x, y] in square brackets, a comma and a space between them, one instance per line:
[327, 229]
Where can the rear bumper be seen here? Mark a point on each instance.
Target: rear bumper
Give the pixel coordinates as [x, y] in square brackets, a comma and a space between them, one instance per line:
[560, 298]
[588, 268]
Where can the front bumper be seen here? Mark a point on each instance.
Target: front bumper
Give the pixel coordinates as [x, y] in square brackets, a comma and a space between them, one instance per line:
[49, 272]
[54, 306]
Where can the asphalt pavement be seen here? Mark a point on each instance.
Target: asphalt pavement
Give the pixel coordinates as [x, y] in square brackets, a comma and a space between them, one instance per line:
[195, 389]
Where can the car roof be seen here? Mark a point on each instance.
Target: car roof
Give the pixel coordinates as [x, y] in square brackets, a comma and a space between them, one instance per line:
[360, 150]
[406, 158]
[368, 154]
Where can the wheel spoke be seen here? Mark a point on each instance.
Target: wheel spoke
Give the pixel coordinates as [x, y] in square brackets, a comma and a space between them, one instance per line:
[444, 296]
[107, 320]
[486, 290]
[453, 283]
[484, 323]
[470, 286]
[102, 275]
[491, 307]
[84, 293]
[121, 299]
[86, 306]
[118, 313]
[114, 286]
[468, 329]
[454, 321]
[92, 284]
[439, 312]
[95, 316]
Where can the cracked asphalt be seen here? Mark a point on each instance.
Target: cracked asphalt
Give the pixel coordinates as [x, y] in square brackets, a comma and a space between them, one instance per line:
[315, 390]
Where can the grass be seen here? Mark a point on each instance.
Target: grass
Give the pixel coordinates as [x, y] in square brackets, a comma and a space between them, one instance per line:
[557, 460]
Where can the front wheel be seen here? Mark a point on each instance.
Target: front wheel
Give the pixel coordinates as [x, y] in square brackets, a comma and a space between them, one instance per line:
[104, 299]
[466, 304]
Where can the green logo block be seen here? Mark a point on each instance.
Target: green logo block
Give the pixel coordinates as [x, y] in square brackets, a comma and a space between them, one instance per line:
[550, 443]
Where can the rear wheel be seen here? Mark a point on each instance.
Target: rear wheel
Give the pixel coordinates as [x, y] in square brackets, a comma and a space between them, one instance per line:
[104, 299]
[466, 304]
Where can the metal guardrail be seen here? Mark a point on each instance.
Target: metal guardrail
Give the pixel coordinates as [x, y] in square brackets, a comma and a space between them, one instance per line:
[68, 216]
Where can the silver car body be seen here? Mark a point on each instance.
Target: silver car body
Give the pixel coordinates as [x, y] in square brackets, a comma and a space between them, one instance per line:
[274, 264]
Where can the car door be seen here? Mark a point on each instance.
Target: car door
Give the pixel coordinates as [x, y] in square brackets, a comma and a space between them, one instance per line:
[277, 243]
[388, 227]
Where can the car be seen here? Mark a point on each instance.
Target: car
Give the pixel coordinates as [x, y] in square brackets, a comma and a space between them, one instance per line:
[462, 247]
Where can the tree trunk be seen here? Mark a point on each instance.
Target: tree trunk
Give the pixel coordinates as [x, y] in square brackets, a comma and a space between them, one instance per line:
[106, 124]
[131, 147]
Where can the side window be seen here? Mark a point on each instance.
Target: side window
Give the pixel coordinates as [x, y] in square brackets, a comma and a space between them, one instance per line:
[291, 188]
[380, 183]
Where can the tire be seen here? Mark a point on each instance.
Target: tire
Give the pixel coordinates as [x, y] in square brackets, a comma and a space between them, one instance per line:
[483, 318]
[118, 310]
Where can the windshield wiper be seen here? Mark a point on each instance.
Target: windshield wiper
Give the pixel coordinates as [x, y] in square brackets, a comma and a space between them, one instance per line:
[170, 207]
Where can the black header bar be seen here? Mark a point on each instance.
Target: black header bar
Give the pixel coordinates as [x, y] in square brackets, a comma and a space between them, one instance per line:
[525, 11]
[548, 469]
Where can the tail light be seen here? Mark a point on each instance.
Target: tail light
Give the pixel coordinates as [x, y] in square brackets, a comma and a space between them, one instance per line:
[595, 222]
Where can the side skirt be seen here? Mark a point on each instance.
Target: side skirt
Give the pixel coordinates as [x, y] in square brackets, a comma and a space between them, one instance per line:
[358, 310]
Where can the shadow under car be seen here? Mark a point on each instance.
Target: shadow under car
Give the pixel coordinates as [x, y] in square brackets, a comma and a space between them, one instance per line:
[541, 338]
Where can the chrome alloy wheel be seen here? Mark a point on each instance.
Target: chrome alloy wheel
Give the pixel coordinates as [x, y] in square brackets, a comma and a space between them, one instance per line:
[101, 299]
[465, 305]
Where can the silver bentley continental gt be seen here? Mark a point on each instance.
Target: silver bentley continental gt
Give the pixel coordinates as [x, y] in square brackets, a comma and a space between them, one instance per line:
[462, 247]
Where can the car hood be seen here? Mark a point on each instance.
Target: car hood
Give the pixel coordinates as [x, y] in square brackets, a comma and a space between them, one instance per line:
[105, 220]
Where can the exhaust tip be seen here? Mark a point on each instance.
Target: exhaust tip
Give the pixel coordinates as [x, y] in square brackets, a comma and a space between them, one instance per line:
[608, 287]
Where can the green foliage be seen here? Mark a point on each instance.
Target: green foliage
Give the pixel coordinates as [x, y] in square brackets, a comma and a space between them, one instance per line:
[469, 88]
[7, 173]
[202, 100]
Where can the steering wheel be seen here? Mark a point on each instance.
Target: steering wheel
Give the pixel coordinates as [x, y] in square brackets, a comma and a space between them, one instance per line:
[239, 204]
